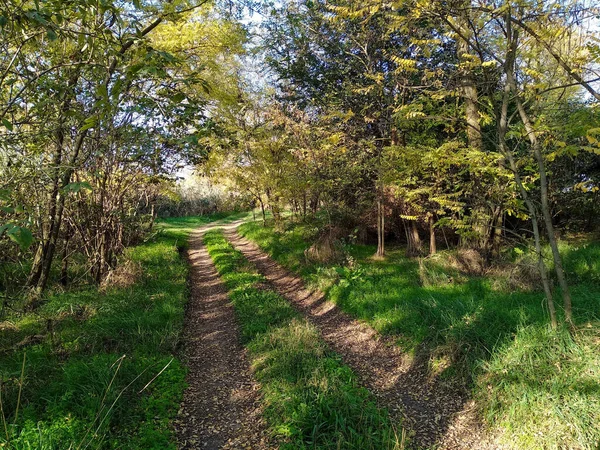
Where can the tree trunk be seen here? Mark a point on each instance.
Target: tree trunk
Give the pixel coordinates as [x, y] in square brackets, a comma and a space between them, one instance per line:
[468, 88]
[304, 204]
[497, 232]
[468, 91]
[545, 207]
[262, 208]
[38, 275]
[64, 269]
[275, 209]
[48, 228]
[415, 246]
[314, 202]
[432, 243]
[152, 217]
[380, 226]
[502, 130]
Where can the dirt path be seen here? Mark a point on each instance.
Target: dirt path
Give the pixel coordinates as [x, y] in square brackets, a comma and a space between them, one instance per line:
[221, 406]
[435, 413]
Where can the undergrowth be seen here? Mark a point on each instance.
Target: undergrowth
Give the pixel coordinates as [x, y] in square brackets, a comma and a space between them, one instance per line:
[537, 388]
[85, 370]
[311, 399]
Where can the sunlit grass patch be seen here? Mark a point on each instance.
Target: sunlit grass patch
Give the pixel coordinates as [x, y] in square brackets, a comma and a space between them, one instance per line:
[535, 387]
[90, 353]
[543, 389]
[311, 399]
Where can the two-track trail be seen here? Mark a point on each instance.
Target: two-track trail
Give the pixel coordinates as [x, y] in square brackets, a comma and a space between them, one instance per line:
[221, 406]
[435, 413]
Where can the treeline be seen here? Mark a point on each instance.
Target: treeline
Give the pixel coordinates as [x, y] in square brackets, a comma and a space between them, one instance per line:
[471, 124]
[100, 104]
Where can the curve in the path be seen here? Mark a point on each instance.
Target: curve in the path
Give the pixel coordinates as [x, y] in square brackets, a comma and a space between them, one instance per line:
[221, 405]
[436, 414]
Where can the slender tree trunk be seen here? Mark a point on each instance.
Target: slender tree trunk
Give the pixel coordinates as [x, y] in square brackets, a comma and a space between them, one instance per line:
[64, 269]
[304, 202]
[48, 228]
[432, 243]
[502, 130]
[537, 240]
[545, 207]
[262, 208]
[380, 226]
[152, 217]
[497, 231]
[38, 277]
[275, 209]
[57, 221]
[468, 87]
[314, 202]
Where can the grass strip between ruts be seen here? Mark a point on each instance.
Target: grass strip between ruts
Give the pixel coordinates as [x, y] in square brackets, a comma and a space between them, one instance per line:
[312, 400]
[536, 388]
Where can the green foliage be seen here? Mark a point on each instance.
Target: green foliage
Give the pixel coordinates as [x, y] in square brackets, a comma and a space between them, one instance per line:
[20, 235]
[100, 104]
[312, 400]
[90, 354]
[525, 377]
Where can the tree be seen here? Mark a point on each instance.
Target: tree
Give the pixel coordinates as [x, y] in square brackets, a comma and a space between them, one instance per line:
[77, 82]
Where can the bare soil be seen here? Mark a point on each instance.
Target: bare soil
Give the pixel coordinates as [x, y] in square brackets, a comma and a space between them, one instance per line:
[221, 405]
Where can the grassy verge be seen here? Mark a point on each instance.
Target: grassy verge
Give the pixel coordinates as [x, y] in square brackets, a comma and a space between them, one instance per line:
[96, 369]
[311, 399]
[538, 388]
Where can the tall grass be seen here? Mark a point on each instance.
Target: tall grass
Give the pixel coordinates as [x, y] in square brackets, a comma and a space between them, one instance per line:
[537, 388]
[99, 370]
[311, 399]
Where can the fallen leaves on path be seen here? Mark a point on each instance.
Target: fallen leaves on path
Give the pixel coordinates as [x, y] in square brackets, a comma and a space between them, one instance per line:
[221, 407]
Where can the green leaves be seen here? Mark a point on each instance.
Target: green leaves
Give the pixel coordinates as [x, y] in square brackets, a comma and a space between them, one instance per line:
[16, 233]
[77, 187]
[19, 235]
[191, 139]
[178, 97]
[7, 124]
[88, 123]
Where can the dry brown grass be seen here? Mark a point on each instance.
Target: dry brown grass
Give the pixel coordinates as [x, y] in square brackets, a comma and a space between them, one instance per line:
[123, 276]
[468, 261]
[523, 276]
[326, 249]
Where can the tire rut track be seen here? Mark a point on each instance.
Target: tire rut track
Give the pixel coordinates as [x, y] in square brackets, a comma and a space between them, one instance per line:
[436, 414]
[221, 406]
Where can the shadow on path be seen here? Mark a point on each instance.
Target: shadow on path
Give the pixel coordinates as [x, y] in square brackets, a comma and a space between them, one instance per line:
[221, 405]
[434, 412]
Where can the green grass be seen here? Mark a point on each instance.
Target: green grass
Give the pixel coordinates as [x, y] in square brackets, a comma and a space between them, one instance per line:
[89, 355]
[311, 399]
[540, 389]
[179, 228]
